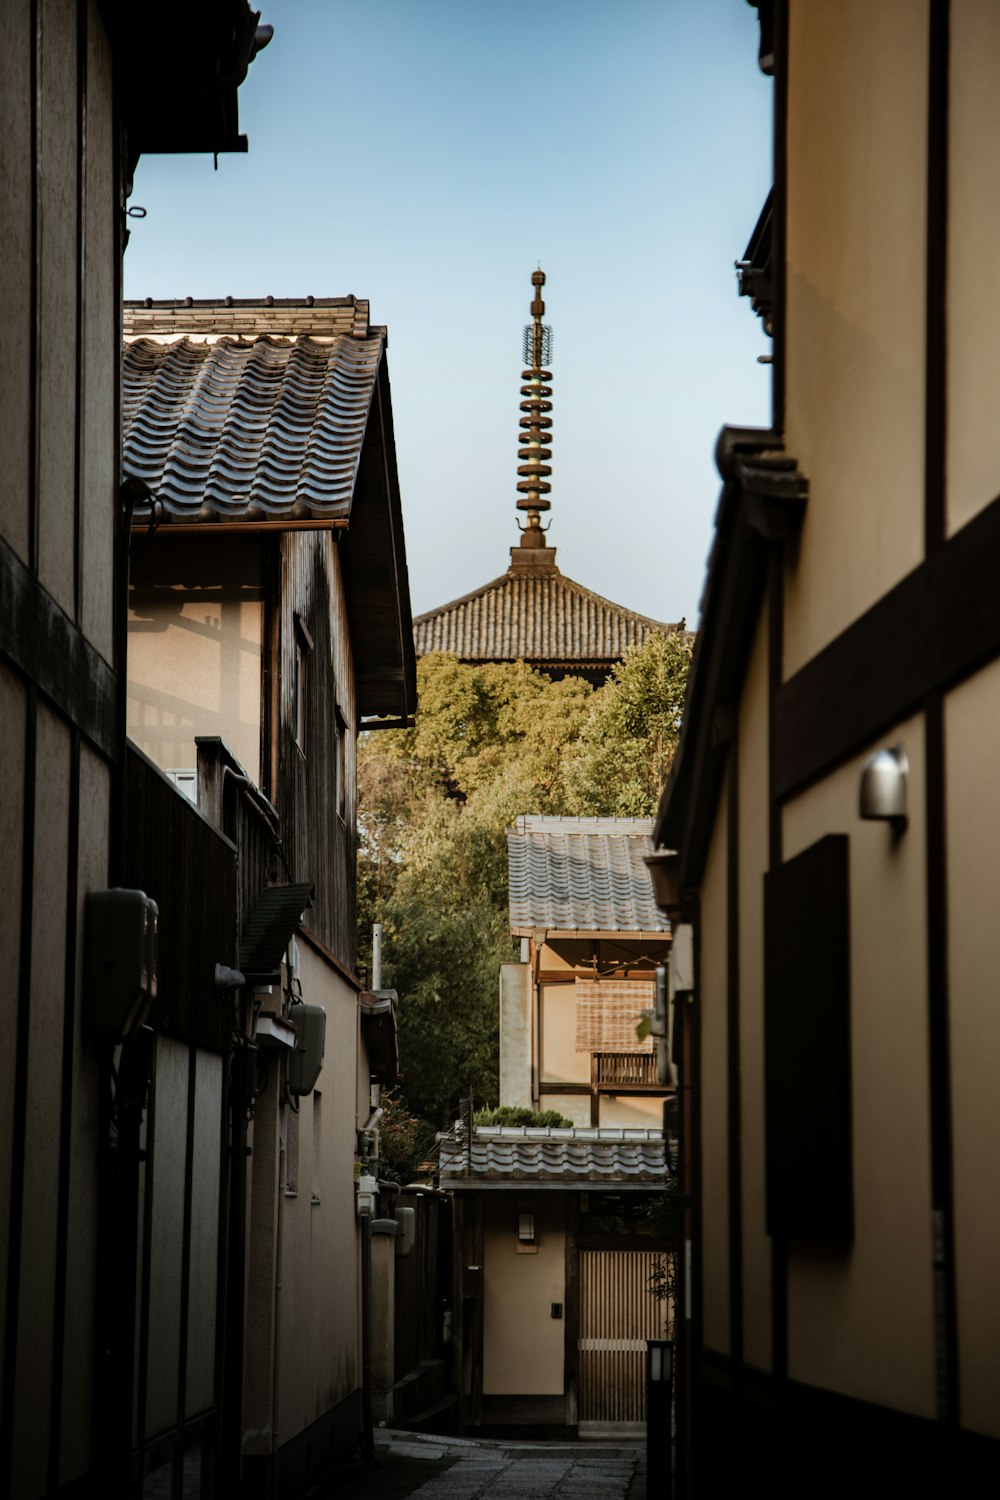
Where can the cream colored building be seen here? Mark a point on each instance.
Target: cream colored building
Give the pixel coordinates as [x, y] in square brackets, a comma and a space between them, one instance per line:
[839, 1130]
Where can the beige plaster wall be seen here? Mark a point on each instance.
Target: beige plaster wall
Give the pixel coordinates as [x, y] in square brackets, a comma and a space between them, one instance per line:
[714, 1106]
[319, 1328]
[753, 861]
[575, 1107]
[638, 1112]
[855, 306]
[973, 357]
[861, 1320]
[972, 712]
[559, 1060]
[524, 1345]
[515, 1035]
[194, 649]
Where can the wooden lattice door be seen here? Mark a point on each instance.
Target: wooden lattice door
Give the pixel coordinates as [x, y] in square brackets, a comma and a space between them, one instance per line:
[618, 1313]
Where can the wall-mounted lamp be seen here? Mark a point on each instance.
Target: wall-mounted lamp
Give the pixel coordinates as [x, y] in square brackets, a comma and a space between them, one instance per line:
[661, 1360]
[526, 1229]
[882, 794]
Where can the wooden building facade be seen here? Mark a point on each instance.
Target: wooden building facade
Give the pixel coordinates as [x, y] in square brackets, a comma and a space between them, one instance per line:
[72, 126]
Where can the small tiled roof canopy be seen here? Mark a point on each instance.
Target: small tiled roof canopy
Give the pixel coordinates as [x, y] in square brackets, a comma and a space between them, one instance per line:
[572, 876]
[275, 414]
[250, 412]
[525, 1156]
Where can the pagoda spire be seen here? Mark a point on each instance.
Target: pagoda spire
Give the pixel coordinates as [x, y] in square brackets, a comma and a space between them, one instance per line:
[536, 424]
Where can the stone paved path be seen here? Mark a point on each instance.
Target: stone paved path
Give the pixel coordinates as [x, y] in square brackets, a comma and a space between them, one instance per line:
[447, 1468]
[466, 1469]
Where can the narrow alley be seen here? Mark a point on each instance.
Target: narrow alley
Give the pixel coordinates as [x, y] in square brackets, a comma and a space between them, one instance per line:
[448, 1468]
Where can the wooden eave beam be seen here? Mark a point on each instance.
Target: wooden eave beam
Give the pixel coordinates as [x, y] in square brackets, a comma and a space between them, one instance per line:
[763, 502]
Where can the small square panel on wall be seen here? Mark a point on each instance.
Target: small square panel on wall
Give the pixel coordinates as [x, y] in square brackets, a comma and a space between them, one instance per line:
[807, 1044]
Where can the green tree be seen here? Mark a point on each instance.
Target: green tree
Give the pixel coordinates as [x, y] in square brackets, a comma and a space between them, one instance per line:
[631, 735]
[491, 742]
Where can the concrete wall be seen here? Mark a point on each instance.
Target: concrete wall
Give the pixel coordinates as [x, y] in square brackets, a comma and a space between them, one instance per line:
[194, 648]
[303, 1352]
[523, 1344]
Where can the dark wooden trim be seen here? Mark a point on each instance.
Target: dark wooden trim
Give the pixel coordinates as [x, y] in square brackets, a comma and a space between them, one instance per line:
[35, 292]
[571, 1310]
[935, 377]
[779, 216]
[733, 1091]
[478, 1328]
[820, 1442]
[563, 1088]
[18, 1132]
[44, 645]
[185, 1296]
[937, 626]
[145, 1266]
[79, 410]
[66, 1113]
[775, 852]
[939, 1034]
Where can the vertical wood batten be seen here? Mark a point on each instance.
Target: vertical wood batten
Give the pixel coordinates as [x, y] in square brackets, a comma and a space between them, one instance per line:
[13, 739]
[42, 1106]
[17, 169]
[57, 303]
[66, 1115]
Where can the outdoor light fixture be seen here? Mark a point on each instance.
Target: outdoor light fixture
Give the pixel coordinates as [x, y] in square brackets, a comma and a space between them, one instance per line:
[659, 1417]
[662, 867]
[661, 1360]
[526, 1229]
[882, 795]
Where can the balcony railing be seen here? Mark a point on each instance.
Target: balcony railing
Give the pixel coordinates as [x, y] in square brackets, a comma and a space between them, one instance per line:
[624, 1069]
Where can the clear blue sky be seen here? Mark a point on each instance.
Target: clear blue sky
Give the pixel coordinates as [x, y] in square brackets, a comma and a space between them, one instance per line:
[427, 154]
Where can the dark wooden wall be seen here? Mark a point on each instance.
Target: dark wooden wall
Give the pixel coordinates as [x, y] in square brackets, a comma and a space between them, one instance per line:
[319, 843]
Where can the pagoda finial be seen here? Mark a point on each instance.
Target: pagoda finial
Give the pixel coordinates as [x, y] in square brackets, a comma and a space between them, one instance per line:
[536, 425]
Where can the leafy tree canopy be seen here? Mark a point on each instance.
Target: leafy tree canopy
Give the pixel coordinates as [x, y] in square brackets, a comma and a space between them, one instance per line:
[491, 742]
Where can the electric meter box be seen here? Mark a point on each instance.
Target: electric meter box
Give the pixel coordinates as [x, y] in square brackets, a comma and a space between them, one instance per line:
[120, 964]
[306, 1062]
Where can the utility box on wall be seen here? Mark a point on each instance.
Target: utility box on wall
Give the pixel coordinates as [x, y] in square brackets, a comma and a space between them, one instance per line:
[306, 1061]
[120, 966]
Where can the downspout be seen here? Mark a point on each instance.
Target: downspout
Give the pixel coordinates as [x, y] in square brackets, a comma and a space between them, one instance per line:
[276, 1365]
[537, 943]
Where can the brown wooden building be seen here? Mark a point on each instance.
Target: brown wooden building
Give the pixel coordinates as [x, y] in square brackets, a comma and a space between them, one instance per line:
[269, 617]
[85, 88]
[833, 801]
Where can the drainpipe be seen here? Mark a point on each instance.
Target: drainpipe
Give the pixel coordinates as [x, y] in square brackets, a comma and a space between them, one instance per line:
[377, 956]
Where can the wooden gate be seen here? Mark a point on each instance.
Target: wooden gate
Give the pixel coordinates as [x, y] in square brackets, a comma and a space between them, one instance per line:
[618, 1313]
